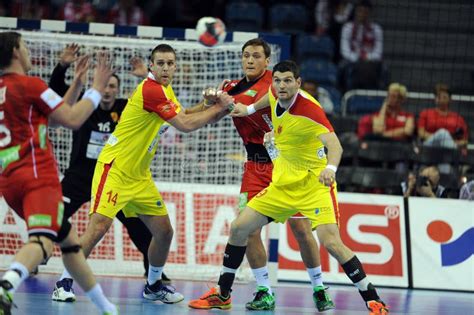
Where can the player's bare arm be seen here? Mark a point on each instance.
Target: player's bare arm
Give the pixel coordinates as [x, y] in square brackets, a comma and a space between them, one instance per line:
[73, 116]
[189, 122]
[334, 148]
[241, 110]
[80, 73]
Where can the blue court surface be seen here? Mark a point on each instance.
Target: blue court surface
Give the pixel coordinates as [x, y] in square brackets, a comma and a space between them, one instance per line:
[34, 297]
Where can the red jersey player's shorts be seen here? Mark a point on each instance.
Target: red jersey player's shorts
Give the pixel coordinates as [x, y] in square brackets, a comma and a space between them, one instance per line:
[37, 200]
[257, 176]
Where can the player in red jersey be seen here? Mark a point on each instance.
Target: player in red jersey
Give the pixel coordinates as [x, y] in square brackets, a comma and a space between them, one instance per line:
[258, 175]
[28, 169]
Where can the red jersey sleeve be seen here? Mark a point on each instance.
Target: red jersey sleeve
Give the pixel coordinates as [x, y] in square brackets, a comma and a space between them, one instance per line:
[41, 96]
[308, 109]
[155, 100]
[422, 120]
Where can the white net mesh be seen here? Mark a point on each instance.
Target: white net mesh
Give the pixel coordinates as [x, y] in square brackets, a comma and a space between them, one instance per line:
[198, 173]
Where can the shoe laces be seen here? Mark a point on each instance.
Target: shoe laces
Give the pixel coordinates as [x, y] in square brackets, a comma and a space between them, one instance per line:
[377, 307]
[211, 292]
[67, 284]
[261, 292]
[321, 293]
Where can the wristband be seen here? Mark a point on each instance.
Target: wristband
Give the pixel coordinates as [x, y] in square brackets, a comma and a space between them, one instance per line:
[332, 167]
[94, 96]
[251, 109]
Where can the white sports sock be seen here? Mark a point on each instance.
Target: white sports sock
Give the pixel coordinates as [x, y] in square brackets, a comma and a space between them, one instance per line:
[64, 275]
[261, 275]
[98, 298]
[316, 276]
[13, 277]
[154, 274]
[362, 284]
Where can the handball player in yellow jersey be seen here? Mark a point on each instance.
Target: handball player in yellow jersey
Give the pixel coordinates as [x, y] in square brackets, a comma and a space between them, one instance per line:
[303, 180]
[122, 177]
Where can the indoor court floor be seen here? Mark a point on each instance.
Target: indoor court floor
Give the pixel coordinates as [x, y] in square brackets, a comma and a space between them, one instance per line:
[34, 297]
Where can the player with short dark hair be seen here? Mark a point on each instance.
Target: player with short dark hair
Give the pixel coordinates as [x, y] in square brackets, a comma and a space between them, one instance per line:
[258, 175]
[30, 183]
[303, 180]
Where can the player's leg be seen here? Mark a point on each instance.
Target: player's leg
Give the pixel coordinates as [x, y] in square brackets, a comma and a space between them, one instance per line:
[75, 262]
[219, 297]
[328, 234]
[75, 194]
[330, 238]
[162, 231]
[140, 236]
[256, 177]
[148, 204]
[309, 250]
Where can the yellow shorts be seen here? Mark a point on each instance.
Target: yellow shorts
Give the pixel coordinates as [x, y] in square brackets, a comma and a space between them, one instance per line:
[113, 191]
[309, 197]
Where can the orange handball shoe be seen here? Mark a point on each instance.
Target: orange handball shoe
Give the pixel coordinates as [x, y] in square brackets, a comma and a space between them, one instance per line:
[377, 307]
[211, 299]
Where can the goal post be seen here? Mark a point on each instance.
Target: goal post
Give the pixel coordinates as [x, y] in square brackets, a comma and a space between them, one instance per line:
[198, 173]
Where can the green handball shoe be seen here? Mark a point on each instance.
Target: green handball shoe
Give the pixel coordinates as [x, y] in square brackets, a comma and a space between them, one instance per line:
[263, 301]
[322, 299]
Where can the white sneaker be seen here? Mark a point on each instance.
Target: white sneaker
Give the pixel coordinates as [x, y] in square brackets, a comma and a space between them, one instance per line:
[63, 291]
[163, 293]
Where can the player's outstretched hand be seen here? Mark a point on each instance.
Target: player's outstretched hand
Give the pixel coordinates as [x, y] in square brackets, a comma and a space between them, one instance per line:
[103, 70]
[240, 110]
[225, 101]
[82, 67]
[69, 54]
[327, 177]
[139, 68]
[223, 84]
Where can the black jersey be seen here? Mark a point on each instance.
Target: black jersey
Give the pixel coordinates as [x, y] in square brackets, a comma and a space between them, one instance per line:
[88, 141]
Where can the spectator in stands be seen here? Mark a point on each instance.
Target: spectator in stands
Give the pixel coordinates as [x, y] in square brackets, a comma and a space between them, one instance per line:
[361, 49]
[391, 122]
[319, 93]
[77, 11]
[467, 191]
[30, 9]
[440, 127]
[330, 16]
[127, 12]
[425, 184]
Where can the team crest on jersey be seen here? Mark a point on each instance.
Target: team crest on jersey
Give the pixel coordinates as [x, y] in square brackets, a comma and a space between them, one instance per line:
[280, 129]
[114, 116]
[251, 93]
[3, 92]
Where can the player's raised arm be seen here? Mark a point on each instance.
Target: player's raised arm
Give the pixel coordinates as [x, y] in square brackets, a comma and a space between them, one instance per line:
[79, 80]
[241, 110]
[186, 122]
[73, 116]
[331, 142]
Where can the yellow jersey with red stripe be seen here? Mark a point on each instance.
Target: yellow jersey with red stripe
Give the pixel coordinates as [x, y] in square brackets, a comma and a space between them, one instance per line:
[296, 138]
[133, 144]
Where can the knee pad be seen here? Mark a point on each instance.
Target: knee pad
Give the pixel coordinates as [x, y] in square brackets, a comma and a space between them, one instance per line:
[71, 249]
[38, 241]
